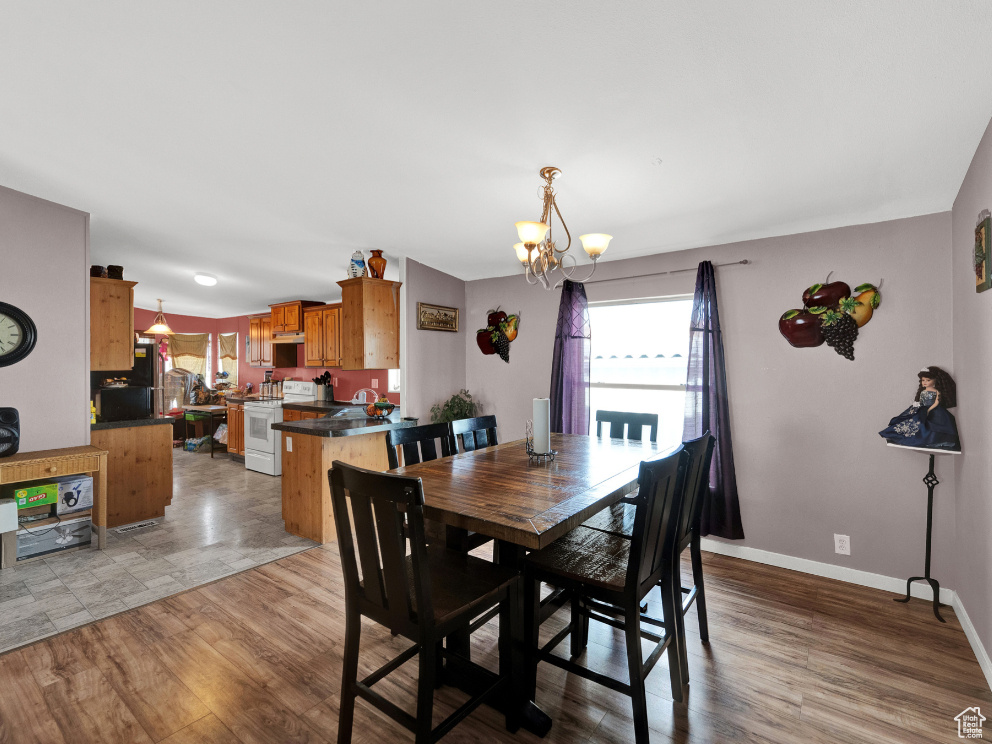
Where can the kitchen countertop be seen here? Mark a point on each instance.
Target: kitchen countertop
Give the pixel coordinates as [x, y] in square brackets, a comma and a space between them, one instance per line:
[132, 423]
[340, 427]
[322, 406]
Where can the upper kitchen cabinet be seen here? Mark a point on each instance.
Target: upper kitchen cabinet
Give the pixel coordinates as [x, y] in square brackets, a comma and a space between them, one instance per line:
[288, 318]
[262, 352]
[370, 324]
[112, 324]
[322, 336]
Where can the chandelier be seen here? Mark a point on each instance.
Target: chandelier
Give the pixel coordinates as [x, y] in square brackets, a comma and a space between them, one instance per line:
[538, 253]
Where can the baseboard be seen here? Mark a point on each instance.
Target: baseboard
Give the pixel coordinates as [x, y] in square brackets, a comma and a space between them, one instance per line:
[971, 634]
[858, 577]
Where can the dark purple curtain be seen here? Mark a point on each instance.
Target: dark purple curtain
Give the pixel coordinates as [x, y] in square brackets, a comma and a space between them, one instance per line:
[570, 390]
[707, 408]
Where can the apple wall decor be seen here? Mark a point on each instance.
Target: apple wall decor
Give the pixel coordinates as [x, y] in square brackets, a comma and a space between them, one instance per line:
[500, 332]
[831, 314]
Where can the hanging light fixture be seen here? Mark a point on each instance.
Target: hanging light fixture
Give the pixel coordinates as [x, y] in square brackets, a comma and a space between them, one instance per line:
[159, 326]
[539, 254]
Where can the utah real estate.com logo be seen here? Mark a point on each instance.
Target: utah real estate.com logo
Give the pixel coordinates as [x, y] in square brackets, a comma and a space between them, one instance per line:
[971, 723]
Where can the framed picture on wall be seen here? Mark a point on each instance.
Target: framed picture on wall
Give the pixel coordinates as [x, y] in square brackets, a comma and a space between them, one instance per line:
[438, 318]
[982, 254]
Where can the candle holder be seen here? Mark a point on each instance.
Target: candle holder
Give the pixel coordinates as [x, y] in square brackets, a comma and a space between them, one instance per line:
[533, 457]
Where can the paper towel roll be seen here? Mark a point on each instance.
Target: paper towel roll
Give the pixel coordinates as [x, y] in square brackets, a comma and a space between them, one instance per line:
[540, 420]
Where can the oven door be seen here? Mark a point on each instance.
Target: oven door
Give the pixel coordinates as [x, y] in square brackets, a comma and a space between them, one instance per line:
[258, 434]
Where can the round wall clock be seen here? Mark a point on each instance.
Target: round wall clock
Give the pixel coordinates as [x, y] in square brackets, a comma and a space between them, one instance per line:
[18, 334]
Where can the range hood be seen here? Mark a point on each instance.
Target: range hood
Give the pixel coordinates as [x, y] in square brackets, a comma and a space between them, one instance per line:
[288, 339]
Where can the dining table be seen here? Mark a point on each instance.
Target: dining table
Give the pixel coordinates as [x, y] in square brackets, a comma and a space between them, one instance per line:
[525, 504]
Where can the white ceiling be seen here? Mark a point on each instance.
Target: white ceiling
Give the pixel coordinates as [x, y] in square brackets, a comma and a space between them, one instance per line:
[264, 142]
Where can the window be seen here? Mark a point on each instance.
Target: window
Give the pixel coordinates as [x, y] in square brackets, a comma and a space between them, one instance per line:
[393, 380]
[227, 356]
[638, 360]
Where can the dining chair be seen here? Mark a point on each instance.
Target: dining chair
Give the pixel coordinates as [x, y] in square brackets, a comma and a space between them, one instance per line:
[622, 512]
[634, 420]
[688, 534]
[475, 432]
[418, 444]
[607, 574]
[423, 596]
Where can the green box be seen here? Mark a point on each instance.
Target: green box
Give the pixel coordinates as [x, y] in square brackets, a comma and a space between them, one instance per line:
[31, 494]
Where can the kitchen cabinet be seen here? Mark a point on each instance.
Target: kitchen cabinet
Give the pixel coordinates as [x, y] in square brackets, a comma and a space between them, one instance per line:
[291, 415]
[112, 324]
[370, 324]
[288, 318]
[322, 336]
[262, 352]
[236, 429]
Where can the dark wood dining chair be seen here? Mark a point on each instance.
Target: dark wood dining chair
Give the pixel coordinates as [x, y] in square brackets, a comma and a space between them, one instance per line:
[607, 574]
[475, 432]
[635, 422]
[418, 444]
[423, 596]
[695, 490]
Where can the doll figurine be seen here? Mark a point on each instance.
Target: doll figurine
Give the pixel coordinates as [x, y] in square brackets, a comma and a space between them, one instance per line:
[927, 423]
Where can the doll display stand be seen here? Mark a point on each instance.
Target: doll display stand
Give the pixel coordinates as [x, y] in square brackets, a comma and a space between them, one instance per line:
[930, 482]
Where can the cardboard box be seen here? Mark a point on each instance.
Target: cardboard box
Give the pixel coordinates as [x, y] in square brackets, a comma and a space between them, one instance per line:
[75, 494]
[53, 538]
[32, 494]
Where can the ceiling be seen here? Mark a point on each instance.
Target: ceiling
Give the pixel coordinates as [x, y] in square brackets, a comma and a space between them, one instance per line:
[264, 142]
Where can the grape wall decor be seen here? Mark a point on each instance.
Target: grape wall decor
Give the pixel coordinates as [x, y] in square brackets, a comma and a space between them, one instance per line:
[831, 313]
[500, 332]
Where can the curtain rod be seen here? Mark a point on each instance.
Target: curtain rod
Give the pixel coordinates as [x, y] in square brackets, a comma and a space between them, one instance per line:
[659, 274]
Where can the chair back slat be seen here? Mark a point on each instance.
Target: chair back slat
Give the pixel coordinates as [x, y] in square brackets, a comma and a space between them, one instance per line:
[634, 421]
[657, 514]
[418, 444]
[696, 486]
[475, 432]
[382, 506]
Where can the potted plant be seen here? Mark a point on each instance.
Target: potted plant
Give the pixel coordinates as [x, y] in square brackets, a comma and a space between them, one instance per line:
[456, 407]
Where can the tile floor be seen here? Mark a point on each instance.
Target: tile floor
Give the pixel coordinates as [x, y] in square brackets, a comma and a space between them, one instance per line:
[224, 519]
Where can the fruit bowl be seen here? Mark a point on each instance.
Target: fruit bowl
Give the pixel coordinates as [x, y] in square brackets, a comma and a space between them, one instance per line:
[380, 410]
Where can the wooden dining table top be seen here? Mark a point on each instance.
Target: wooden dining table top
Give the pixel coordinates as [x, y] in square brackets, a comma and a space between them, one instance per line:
[496, 491]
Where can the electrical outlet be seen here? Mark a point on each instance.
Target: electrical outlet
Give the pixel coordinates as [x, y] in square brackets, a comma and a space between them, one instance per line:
[375, 384]
[841, 544]
[289, 444]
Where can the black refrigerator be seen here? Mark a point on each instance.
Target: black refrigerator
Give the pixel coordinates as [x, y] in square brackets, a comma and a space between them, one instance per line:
[133, 401]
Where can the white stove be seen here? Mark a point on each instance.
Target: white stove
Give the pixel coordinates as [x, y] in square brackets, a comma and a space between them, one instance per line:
[263, 445]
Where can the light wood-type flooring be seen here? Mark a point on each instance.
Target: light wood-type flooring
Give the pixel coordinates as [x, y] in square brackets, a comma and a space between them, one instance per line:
[257, 657]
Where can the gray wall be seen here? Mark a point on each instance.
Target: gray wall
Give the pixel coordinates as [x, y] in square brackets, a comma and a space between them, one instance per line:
[434, 362]
[804, 421]
[44, 260]
[972, 372]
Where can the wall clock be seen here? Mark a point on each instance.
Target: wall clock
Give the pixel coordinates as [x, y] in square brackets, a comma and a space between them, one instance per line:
[18, 334]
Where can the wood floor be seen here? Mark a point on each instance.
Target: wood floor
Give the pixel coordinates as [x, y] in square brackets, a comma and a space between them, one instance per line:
[257, 657]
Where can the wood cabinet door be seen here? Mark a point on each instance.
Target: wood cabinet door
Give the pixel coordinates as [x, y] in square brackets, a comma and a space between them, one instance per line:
[255, 342]
[309, 415]
[332, 352]
[291, 319]
[112, 324]
[291, 415]
[276, 319]
[267, 342]
[314, 340]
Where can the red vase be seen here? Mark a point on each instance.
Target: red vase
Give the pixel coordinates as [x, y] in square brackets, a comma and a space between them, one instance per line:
[377, 264]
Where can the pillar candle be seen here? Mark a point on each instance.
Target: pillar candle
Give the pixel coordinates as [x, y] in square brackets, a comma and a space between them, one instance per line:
[540, 417]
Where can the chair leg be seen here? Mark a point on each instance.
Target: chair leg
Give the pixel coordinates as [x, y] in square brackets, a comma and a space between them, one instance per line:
[504, 665]
[633, 644]
[671, 613]
[350, 672]
[427, 671]
[576, 641]
[698, 568]
[681, 623]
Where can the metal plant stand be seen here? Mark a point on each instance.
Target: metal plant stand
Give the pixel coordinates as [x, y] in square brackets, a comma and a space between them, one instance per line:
[930, 482]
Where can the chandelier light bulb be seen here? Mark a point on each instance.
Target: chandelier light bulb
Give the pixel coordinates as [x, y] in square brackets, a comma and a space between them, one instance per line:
[522, 252]
[531, 232]
[595, 244]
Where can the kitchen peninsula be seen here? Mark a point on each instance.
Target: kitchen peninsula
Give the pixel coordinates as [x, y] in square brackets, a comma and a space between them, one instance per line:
[310, 447]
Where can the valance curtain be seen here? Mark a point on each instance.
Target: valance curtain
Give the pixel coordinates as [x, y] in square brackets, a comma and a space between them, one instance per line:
[570, 389]
[189, 351]
[707, 408]
[227, 345]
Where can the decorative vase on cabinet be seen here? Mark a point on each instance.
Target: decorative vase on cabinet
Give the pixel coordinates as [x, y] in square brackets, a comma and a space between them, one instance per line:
[377, 263]
[357, 267]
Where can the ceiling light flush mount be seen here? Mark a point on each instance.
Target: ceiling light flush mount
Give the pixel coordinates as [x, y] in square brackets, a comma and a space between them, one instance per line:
[539, 254]
[159, 325]
[203, 278]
